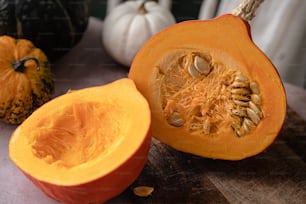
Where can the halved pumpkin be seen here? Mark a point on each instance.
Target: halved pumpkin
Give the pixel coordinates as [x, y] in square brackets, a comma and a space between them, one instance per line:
[87, 145]
[211, 90]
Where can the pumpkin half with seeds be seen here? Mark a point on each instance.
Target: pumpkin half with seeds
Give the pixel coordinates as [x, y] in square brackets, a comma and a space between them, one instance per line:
[26, 80]
[211, 90]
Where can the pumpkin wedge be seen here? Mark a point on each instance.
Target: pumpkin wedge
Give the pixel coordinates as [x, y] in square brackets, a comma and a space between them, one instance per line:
[85, 146]
[211, 90]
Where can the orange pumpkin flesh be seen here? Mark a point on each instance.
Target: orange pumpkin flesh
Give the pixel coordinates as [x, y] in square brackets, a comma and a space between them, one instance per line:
[192, 111]
[87, 145]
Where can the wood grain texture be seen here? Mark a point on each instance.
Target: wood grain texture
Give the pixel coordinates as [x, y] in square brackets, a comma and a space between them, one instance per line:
[275, 176]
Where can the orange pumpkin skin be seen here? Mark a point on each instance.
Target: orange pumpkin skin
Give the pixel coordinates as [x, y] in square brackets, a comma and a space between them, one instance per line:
[86, 146]
[195, 110]
[101, 190]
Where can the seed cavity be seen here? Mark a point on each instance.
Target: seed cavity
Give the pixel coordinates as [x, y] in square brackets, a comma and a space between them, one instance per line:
[205, 97]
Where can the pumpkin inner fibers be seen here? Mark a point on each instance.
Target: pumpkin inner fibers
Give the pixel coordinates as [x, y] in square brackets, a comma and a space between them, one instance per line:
[69, 139]
[202, 95]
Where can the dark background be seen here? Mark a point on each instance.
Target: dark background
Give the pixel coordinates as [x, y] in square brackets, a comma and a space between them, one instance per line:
[181, 9]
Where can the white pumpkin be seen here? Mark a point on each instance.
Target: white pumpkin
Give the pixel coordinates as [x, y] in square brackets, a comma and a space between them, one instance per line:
[129, 25]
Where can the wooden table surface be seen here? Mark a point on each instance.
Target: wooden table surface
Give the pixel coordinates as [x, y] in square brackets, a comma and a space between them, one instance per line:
[277, 175]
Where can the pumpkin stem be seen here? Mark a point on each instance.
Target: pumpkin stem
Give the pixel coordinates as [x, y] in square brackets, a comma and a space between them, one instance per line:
[19, 65]
[246, 9]
[142, 9]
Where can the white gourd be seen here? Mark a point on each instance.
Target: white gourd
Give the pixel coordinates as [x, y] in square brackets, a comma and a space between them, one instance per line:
[128, 26]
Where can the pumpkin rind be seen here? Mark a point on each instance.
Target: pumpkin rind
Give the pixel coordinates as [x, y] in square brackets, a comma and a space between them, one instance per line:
[225, 43]
[22, 91]
[87, 145]
[53, 26]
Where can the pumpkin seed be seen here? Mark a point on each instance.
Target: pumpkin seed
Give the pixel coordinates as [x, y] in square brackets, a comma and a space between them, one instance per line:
[253, 116]
[236, 125]
[254, 107]
[206, 127]
[201, 65]
[238, 84]
[176, 120]
[241, 132]
[245, 127]
[247, 124]
[254, 87]
[193, 71]
[241, 103]
[240, 97]
[241, 91]
[246, 97]
[239, 112]
[241, 78]
[256, 99]
[143, 191]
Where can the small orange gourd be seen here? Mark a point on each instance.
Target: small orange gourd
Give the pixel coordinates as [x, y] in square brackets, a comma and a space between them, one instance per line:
[211, 90]
[26, 81]
[85, 146]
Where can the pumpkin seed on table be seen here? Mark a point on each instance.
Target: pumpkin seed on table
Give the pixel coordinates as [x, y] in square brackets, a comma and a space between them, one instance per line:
[143, 191]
